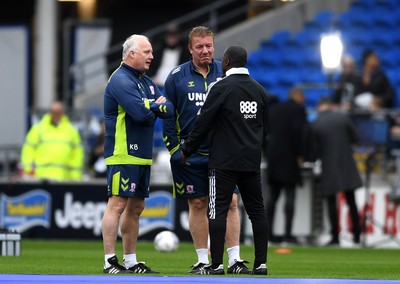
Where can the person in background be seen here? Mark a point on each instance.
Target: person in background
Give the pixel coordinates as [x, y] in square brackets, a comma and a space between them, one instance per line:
[375, 85]
[334, 136]
[97, 165]
[186, 88]
[285, 156]
[348, 84]
[172, 52]
[236, 114]
[52, 149]
[132, 102]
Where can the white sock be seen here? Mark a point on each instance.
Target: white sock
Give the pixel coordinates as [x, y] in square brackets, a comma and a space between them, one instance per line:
[106, 257]
[130, 260]
[202, 255]
[233, 255]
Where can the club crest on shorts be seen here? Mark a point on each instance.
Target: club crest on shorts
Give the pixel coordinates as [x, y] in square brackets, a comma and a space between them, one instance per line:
[133, 187]
[189, 188]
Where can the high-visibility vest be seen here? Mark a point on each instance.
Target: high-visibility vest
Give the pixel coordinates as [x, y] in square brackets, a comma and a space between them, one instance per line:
[53, 152]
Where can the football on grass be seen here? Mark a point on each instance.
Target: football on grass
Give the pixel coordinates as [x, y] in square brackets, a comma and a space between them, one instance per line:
[166, 241]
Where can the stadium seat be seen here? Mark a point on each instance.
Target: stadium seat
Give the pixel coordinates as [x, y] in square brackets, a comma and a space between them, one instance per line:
[271, 60]
[308, 39]
[393, 76]
[386, 59]
[313, 96]
[384, 19]
[315, 77]
[381, 40]
[289, 78]
[280, 38]
[363, 6]
[254, 59]
[344, 21]
[292, 59]
[312, 58]
[358, 36]
[276, 41]
[325, 19]
[280, 92]
[268, 80]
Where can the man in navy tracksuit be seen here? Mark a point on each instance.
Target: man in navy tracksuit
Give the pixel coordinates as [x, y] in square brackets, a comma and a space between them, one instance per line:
[132, 102]
[236, 114]
[186, 88]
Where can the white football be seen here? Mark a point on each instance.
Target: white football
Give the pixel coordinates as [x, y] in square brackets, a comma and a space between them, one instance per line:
[166, 241]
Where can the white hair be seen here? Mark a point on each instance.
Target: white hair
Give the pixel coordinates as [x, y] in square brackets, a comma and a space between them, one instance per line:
[131, 44]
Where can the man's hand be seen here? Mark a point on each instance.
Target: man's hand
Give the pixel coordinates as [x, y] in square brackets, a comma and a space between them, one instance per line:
[185, 159]
[161, 100]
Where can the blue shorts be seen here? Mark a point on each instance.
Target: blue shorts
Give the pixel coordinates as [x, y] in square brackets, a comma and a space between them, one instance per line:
[128, 180]
[190, 181]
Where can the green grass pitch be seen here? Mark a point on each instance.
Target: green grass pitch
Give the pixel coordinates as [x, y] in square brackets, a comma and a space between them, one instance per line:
[86, 258]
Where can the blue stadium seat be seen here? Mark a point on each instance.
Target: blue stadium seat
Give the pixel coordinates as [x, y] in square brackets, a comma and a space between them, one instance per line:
[254, 59]
[292, 59]
[384, 19]
[268, 80]
[276, 41]
[271, 60]
[325, 19]
[281, 37]
[344, 21]
[363, 6]
[357, 36]
[313, 96]
[315, 77]
[393, 76]
[289, 58]
[312, 58]
[280, 92]
[289, 78]
[390, 59]
[381, 40]
[308, 39]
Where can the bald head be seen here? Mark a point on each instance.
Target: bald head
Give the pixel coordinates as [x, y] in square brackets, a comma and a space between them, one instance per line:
[56, 112]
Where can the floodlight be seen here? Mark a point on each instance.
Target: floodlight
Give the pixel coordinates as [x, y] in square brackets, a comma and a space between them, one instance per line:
[331, 52]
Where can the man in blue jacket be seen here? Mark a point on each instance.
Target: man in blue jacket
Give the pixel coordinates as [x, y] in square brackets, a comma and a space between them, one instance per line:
[132, 102]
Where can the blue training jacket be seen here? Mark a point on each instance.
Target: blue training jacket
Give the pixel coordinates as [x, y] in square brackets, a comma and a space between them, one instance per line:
[130, 113]
[186, 89]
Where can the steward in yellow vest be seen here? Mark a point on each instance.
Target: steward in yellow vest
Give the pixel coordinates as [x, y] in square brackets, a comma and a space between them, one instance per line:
[53, 149]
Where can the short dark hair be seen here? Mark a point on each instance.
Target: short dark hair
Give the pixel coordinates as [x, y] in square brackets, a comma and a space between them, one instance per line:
[366, 53]
[237, 56]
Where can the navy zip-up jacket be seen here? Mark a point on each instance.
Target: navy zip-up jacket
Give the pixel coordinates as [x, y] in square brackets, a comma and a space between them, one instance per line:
[186, 89]
[130, 112]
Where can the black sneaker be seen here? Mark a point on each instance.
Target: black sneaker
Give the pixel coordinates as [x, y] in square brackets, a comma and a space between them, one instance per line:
[261, 270]
[207, 269]
[239, 267]
[115, 267]
[141, 268]
[195, 268]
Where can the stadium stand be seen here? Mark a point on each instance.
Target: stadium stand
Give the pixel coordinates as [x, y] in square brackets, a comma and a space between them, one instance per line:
[294, 58]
